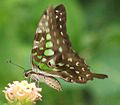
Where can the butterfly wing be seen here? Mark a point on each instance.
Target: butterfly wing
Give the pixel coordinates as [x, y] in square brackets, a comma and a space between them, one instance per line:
[44, 52]
[73, 67]
[49, 80]
[51, 39]
[52, 51]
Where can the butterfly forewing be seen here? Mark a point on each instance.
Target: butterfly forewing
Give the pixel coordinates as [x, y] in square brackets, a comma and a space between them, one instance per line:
[60, 14]
[52, 51]
[44, 39]
[51, 40]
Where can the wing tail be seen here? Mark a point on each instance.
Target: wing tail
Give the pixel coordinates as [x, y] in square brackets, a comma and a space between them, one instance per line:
[100, 76]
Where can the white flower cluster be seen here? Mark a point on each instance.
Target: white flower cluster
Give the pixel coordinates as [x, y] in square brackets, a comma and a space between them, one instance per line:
[22, 92]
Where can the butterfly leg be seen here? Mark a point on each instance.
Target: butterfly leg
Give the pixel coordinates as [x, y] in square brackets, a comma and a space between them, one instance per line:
[31, 78]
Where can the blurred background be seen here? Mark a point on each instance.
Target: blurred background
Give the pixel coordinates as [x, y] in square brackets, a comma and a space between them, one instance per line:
[94, 30]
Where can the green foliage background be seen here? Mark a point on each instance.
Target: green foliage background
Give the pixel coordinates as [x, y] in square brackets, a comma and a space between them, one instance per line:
[94, 30]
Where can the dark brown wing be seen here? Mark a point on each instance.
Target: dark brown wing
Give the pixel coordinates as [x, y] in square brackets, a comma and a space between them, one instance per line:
[72, 67]
[58, 56]
[52, 29]
[60, 13]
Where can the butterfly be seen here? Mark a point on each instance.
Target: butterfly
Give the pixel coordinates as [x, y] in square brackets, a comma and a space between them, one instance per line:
[53, 55]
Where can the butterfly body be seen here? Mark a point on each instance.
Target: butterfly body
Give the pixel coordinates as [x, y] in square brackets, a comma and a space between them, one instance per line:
[52, 53]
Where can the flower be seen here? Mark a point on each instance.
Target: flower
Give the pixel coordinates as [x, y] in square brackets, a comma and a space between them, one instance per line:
[22, 93]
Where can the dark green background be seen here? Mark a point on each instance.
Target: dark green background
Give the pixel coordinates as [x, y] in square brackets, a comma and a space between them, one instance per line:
[94, 30]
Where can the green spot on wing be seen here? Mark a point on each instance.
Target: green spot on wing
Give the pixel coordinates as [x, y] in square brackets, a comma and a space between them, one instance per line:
[43, 66]
[48, 36]
[35, 53]
[39, 57]
[41, 48]
[35, 62]
[44, 59]
[48, 52]
[49, 44]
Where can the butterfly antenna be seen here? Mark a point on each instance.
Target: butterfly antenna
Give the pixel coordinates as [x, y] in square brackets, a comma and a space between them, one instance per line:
[16, 65]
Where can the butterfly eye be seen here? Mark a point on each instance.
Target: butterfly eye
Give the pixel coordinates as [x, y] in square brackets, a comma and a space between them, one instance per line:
[26, 74]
